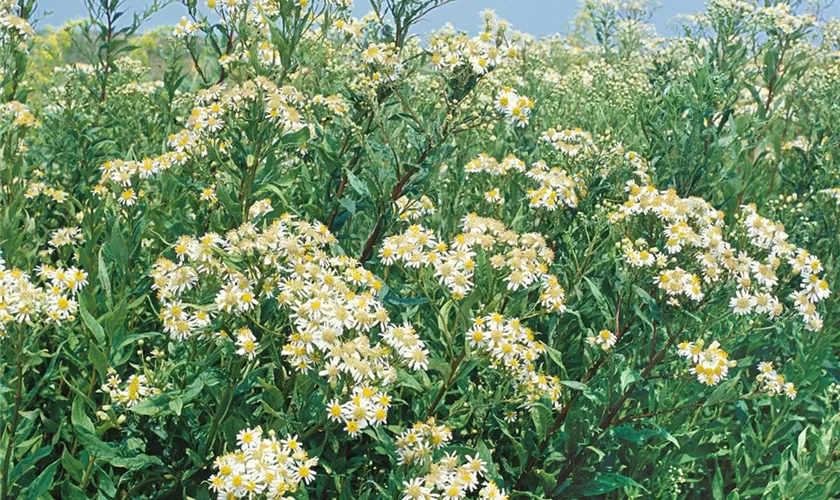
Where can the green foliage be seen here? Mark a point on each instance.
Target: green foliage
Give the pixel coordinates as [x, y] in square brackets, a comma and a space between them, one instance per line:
[399, 254]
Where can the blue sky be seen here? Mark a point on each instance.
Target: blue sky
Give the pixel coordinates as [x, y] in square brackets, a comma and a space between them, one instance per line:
[537, 17]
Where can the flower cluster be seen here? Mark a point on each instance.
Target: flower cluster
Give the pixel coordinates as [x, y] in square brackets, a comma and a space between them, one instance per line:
[11, 24]
[350, 28]
[129, 392]
[677, 281]
[711, 365]
[487, 164]
[516, 108]
[771, 236]
[779, 17]
[525, 258]
[492, 48]
[637, 163]
[747, 103]
[66, 236]
[774, 383]
[639, 254]
[335, 104]
[260, 208]
[569, 142]
[215, 107]
[605, 339]
[35, 189]
[382, 62]
[366, 407]
[800, 143]
[693, 224]
[263, 467]
[24, 302]
[453, 478]
[259, 15]
[557, 187]
[419, 442]
[408, 209]
[19, 113]
[185, 28]
[246, 342]
[417, 247]
[331, 302]
[833, 193]
[494, 195]
[513, 350]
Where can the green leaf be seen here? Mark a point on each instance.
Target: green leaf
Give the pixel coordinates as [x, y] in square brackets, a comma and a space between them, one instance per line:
[348, 204]
[723, 391]
[629, 376]
[119, 249]
[78, 416]
[71, 491]
[25, 464]
[521, 453]
[405, 301]
[72, 466]
[404, 379]
[549, 481]
[94, 445]
[231, 206]
[541, 416]
[136, 462]
[578, 386]
[92, 325]
[555, 355]
[98, 359]
[105, 279]
[717, 484]
[169, 402]
[41, 484]
[608, 482]
[603, 303]
[112, 454]
[176, 405]
[667, 435]
[357, 184]
[295, 138]
[630, 434]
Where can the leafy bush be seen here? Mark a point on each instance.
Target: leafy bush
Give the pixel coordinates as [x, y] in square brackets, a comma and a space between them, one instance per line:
[278, 252]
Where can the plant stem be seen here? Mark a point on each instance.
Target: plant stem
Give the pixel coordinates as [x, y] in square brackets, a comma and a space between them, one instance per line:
[454, 368]
[7, 457]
